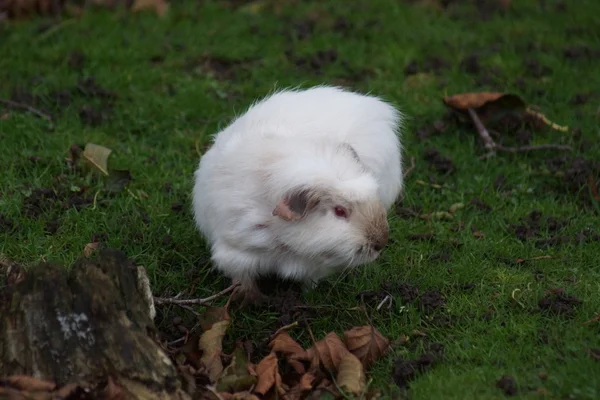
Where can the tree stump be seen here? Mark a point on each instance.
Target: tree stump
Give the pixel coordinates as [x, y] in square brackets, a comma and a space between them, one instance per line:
[90, 328]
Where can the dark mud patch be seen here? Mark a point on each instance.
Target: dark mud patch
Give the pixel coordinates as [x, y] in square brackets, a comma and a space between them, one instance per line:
[76, 60]
[435, 65]
[221, 67]
[537, 227]
[435, 128]
[574, 175]
[427, 301]
[57, 199]
[558, 302]
[6, 225]
[406, 370]
[471, 65]
[534, 69]
[97, 101]
[421, 237]
[314, 63]
[478, 204]
[438, 162]
[407, 212]
[508, 385]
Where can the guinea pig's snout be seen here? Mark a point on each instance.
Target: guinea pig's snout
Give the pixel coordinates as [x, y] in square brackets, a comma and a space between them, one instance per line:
[380, 241]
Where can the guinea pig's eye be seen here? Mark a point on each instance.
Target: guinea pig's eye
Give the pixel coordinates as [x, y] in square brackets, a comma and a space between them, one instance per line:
[340, 211]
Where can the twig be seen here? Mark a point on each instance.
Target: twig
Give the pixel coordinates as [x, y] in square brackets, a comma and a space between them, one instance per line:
[533, 148]
[488, 142]
[27, 107]
[595, 319]
[522, 260]
[409, 169]
[492, 146]
[186, 302]
[387, 299]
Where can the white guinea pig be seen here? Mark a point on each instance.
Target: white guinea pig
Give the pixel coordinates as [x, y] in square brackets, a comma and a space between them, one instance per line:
[299, 186]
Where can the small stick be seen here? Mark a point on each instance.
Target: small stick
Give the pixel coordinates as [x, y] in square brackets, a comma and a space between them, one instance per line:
[488, 142]
[533, 148]
[183, 302]
[409, 169]
[492, 146]
[26, 107]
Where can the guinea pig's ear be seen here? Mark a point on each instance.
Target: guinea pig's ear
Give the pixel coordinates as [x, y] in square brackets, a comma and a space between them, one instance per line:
[296, 204]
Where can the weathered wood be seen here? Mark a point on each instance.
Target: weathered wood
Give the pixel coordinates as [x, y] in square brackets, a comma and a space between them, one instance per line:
[89, 326]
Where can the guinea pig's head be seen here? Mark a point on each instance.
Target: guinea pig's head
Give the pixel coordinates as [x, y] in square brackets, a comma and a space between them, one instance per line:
[342, 225]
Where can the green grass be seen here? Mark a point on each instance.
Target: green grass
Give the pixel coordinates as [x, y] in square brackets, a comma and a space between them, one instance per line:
[166, 109]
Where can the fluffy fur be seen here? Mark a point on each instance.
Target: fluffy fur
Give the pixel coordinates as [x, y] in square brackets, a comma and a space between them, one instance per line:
[266, 192]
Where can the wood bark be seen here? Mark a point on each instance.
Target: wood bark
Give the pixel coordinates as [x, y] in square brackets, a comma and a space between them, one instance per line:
[91, 326]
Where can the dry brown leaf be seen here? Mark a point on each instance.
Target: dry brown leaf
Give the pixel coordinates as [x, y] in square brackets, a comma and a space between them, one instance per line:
[474, 100]
[66, 390]
[29, 383]
[305, 384]
[211, 342]
[245, 395]
[329, 351]
[159, 6]
[351, 376]
[366, 343]
[90, 248]
[283, 343]
[268, 375]
[113, 391]
[97, 156]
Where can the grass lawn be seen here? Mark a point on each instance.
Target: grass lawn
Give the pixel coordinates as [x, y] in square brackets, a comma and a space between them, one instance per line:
[161, 86]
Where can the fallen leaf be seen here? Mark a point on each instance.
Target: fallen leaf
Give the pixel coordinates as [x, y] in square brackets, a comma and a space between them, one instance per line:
[268, 375]
[476, 100]
[117, 180]
[28, 383]
[283, 343]
[366, 343]
[97, 156]
[455, 207]
[211, 341]
[478, 235]
[236, 377]
[351, 375]
[113, 391]
[305, 384]
[90, 248]
[328, 351]
[159, 6]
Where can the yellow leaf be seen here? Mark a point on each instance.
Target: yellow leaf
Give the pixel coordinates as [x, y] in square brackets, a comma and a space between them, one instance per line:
[97, 156]
[211, 344]
[351, 375]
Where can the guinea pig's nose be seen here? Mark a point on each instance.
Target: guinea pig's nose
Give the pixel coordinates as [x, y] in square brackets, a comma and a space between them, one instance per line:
[380, 242]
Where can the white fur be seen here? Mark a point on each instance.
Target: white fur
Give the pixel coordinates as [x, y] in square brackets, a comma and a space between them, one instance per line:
[289, 139]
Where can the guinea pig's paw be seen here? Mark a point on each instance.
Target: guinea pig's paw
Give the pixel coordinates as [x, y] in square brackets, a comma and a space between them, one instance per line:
[248, 294]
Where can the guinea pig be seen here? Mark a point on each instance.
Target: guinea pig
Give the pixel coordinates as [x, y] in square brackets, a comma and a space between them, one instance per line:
[299, 186]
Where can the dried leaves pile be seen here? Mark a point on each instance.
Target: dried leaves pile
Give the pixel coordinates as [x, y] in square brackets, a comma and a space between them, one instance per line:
[334, 365]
